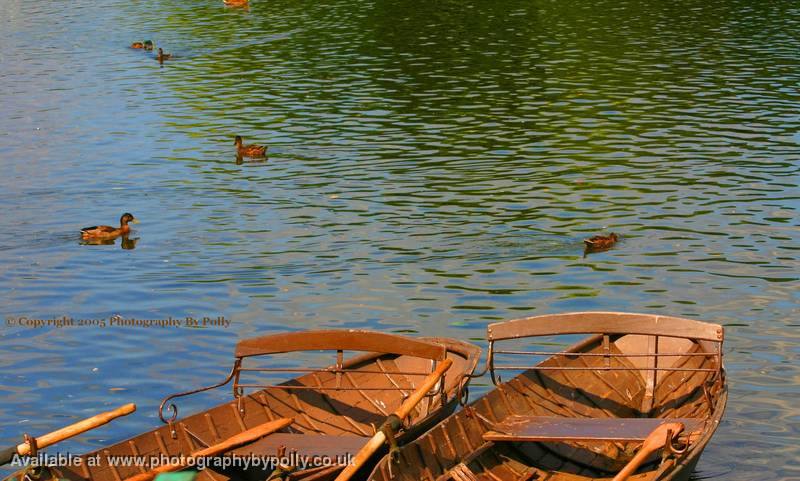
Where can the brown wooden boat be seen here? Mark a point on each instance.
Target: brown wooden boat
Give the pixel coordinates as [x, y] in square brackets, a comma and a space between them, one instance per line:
[583, 412]
[334, 409]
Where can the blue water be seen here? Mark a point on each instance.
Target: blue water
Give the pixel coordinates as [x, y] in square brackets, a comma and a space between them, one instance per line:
[432, 168]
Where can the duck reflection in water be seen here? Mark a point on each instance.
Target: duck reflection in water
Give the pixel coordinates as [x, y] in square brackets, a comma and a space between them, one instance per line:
[127, 243]
[250, 160]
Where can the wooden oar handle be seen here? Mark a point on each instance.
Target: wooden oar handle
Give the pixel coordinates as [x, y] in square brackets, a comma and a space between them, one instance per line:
[67, 432]
[231, 443]
[430, 381]
[402, 412]
[654, 441]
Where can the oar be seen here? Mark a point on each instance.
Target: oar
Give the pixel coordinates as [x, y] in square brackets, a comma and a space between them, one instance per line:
[49, 439]
[231, 443]
[654, 441]
[402, 412]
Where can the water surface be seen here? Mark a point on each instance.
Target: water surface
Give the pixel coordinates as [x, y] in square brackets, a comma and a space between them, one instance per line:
[432, 168]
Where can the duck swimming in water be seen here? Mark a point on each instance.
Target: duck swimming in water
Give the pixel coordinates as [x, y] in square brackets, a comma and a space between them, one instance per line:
[107, 231]
[600, 242]
[146, 45]
[249, 150]
[163, 56]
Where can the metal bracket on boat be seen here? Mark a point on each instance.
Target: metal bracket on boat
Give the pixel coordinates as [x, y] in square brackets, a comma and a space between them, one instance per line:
[34, 471]
[174, 409]
[281, 472]
[490, 365]
[389, 428]
[240, 405]
[487, 368]
[708, 386]
[463, 391]
[669, 447]
[33, 445]
[442, 392]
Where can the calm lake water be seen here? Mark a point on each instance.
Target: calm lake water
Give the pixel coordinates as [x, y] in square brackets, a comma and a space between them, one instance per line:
[433, 166]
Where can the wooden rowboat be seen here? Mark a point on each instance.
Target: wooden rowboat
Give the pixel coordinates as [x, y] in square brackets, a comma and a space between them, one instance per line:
[583, 412]
[332, 410]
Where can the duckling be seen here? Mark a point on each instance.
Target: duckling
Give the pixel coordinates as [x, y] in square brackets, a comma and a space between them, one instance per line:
[163, 56]
[600, 242]
[107, 231]
[249, 150]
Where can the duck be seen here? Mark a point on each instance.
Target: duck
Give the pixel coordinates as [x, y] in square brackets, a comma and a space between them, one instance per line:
[110, 232]
[163, 56]
[146, 45]
[601, 242]
[249, 150]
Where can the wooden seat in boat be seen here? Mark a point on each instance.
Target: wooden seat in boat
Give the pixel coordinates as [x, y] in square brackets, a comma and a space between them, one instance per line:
[306, 444]
[551, 428]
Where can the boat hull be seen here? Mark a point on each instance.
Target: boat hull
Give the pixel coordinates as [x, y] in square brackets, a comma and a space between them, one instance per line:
[334, 413]
[525, 428]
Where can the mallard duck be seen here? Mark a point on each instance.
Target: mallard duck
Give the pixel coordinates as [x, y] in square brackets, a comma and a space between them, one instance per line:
[249, 150]
[163, 56]
[601, 242]
[107, 231]
[146, 45]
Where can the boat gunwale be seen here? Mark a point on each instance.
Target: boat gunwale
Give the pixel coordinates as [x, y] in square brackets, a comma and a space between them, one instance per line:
[607, 322]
